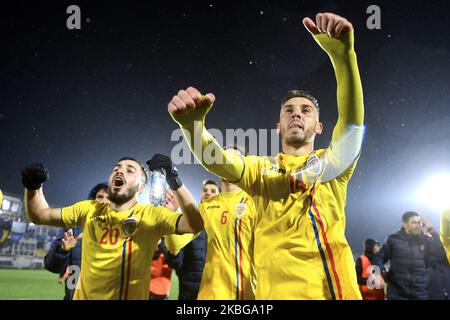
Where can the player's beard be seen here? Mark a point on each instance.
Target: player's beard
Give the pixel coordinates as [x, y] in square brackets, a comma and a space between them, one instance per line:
[300, 140]
[119, 199]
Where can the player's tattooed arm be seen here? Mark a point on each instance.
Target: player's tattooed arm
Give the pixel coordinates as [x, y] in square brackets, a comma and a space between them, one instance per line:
[189, 108]
[36, 207]
[334, 34]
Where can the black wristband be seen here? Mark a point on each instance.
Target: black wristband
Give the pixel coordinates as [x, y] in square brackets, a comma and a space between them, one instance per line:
[174, 182]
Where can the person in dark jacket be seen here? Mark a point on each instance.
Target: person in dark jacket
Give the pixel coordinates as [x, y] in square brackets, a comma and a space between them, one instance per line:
[409, 252]
[189, 264]
[438, 266]
[65, 250]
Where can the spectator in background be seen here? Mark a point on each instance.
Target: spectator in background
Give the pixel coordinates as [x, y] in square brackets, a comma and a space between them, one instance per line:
[65, 250]
[209, 189]
[438, 265]
[190, 261]
[161, 274]
[99, 193]
[374, 289]
[408, 251]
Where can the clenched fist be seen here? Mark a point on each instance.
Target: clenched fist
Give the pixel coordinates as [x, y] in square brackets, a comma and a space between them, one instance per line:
[332, 32]
[190, 105]
[34, 175]
[329, 23]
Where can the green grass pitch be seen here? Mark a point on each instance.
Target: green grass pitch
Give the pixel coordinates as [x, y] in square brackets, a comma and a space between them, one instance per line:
[42, 285]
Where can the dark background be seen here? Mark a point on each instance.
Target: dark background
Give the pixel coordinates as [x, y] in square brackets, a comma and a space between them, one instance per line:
[80, 99]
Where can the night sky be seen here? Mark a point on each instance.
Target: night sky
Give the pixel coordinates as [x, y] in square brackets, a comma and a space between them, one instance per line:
[78, 100]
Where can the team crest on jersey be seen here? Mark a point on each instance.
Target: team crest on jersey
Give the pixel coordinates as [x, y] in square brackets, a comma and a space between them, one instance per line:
[129, 226]
[239, 209]
[313, 165]
[299, 180]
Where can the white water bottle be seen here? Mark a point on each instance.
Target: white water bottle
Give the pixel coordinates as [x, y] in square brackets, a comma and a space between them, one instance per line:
[158, 187]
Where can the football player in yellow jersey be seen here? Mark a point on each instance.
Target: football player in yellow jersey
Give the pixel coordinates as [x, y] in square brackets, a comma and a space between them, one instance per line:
[209, 189]
[445, 231]
[300, 247]
[118, 238]
[1, 198]
[229, 220]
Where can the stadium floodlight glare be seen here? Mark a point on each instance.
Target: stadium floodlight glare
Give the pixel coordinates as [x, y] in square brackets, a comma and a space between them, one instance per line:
[6, 205]
[435, 192]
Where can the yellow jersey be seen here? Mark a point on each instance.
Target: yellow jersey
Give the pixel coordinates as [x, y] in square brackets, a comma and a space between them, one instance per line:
[229, 273]
[445, 231]
[117, 248]
[300, 247]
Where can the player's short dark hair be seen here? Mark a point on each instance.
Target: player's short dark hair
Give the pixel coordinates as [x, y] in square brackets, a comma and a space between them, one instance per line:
[97, 188]
[144, 170]
[211, 181]
[300, 94]
[237, 147]
[408, 215]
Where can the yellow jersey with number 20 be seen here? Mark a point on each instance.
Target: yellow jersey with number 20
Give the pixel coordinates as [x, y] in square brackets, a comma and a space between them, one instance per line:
[117, 248]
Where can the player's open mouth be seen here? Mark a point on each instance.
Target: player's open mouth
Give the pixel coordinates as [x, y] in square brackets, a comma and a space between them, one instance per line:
[295, 124]
[118, 182]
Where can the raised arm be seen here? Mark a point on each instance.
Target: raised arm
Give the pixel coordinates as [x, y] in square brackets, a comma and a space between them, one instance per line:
[176, 242]
[189, 108]
[334, 34]
[36, 207]
[190, 221]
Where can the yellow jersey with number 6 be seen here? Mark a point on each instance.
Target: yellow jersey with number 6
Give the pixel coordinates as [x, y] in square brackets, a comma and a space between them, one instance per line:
[229, 273]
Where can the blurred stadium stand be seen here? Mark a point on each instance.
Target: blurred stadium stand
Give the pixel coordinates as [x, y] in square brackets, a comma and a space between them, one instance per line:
[22, 244]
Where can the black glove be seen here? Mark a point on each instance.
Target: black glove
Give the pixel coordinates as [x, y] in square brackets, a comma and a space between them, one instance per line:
[161, 161]
[34, 175]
